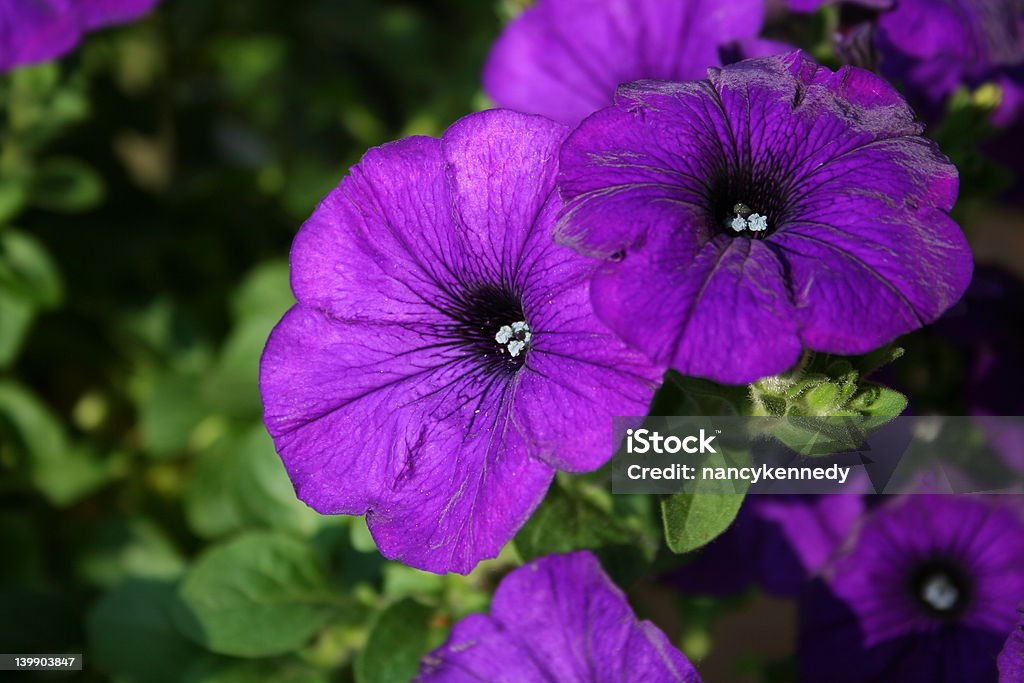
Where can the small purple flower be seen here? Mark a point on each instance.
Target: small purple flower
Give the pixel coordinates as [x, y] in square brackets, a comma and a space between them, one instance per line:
[776, 541]
[936, 46]
[926, 592]
[558, 618]
[1011, 660]
[37, 30]
[774, 207]
[933, 47]
[443, 359]
[564, 58]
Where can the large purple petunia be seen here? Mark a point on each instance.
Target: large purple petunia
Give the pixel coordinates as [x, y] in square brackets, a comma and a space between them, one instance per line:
[37, 30]
[926, 592]
[443, 359]
[1011, 659]
[774, 207]
[564, 58]
[559, 618]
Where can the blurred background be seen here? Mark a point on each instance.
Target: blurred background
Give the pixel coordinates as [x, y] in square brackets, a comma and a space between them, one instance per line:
[150, 186]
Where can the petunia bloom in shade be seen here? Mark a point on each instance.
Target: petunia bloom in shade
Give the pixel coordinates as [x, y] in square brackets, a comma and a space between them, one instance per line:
[778, 542]
[37, 30]
[443, 359]
[558, 618]
[987, 331]
[774, 207]
[927, 591]
[934, 47]
[1011, 660]
[564, 58]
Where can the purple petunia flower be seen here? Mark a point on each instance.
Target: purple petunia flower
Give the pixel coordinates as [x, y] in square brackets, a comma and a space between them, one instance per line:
[37, 30]
[776, 541]
[564, 58]
[933, 47]
[1011, 660]
[926, 592]
[773, 207]
[443, 359]
[988, 334]
[558, 618]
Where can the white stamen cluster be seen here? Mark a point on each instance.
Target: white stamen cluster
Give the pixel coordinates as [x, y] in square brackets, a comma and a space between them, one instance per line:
[514, 337]
[940, 592]
[755, 222]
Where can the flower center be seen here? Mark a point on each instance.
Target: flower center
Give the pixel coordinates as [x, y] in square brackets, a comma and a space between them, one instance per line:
[750, 203]
[940, 589]
[489, 322]
[514, 338]
[742, 218]
[940, 593]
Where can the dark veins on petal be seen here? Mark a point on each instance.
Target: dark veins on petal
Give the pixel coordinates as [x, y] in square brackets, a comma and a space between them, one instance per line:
[479, 315]
[755, 196]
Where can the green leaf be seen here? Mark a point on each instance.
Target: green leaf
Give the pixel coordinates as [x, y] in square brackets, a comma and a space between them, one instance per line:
[240, 482]
[16, 316]
[696, 517]
[400, 637]
[692, 520]
[74, 473]
[66, 186]
[13, 195]
[258, 595]
[132, 637]
[258, 304]
[279, 670]
[29, 282]
[129, 548]
[578, 518]
[264, 293]
[169, 414]
[564, 523]
[41, 452]
[879, 402]
[28, 271]
[233, 385]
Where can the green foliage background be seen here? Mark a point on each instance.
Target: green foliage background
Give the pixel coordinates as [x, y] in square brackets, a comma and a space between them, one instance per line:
[150, 186]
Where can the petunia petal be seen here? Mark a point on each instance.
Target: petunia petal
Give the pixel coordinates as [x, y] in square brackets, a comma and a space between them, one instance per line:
[853, 263]
[381, 246]
[461, 498]
[564, 58]
[98, 13]
[501, 170]
[724, 315]
[1011, 660]
[559, 618]
[36, 31]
